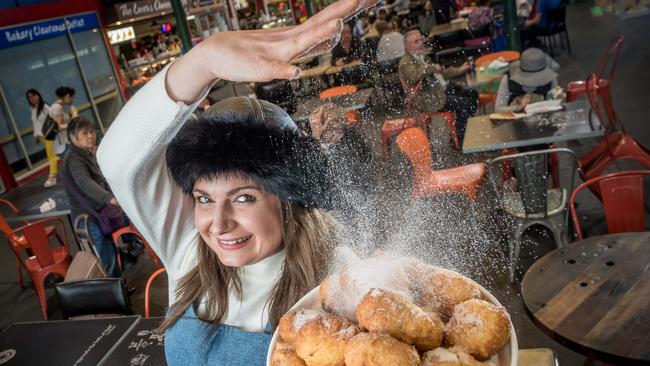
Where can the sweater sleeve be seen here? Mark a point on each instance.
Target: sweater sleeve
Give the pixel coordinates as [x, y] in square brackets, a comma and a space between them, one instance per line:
[81, 176]
[132, 158]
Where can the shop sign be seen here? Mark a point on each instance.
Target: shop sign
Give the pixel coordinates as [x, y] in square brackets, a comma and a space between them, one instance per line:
[121, 35]
[14, 36]
[143, 8]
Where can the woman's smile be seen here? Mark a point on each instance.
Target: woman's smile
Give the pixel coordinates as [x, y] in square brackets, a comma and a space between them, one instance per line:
[234, 244]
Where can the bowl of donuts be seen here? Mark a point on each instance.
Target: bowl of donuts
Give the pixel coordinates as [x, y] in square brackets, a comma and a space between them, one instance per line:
[394, 311]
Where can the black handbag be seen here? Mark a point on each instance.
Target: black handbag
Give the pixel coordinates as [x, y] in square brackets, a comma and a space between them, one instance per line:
[50, 128]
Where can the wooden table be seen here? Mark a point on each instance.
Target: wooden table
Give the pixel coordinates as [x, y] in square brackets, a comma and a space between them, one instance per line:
[315, 71]
[593, 296]
[576, 121]
[63, 342]
[336, 69]
[450, 27]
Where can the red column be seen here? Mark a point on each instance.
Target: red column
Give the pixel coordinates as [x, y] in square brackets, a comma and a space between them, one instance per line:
[5, 172]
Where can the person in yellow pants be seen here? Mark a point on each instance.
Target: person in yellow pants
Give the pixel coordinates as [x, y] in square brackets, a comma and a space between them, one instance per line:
[40, 112]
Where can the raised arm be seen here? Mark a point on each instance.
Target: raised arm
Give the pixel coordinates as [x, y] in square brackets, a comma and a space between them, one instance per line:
[132, 154]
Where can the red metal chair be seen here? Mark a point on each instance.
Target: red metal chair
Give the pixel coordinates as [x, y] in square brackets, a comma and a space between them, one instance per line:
[18, 242]
[44, 259]
[622, 197]
[130, 229]
[615, 145]
[607, 62]
[338, 91]
[447, 117]
[428, 182]
[487, 98]
[393, 127]
[148, 287]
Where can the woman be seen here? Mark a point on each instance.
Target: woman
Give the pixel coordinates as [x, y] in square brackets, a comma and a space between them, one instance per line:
[531, 79]
[230, 202]
[86, 188]
[348, 50]
[65, 97]
[40, 112]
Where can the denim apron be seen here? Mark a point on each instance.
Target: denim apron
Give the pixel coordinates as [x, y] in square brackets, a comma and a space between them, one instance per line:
[189, 342]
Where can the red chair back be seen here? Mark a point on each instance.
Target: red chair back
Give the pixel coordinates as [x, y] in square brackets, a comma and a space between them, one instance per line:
[130, 229]
[622, 197]
[415, 145]
[39, 243]
[338, 91]
[4, 226]
[609, 59]
[148, 287]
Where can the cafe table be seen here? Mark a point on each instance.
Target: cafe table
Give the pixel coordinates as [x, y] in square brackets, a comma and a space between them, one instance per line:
[593, 296]
[455, 25]
[336, 69]
[29, 197]
[140, 347]
[576, 121]
[63, 342]
[356, 101]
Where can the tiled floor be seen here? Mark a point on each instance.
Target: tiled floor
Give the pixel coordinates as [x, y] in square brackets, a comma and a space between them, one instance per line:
[447, 231]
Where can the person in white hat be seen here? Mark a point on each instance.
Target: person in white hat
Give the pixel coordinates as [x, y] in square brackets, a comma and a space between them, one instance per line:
[531, 79]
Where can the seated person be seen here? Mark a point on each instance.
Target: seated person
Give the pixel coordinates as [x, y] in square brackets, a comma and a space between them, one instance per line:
[427, 19]
[531, 79]
[414, 68]
[537, 22]
[348, 49]
[81, 169]
[391, 43]
[347, 152]
[481, 16]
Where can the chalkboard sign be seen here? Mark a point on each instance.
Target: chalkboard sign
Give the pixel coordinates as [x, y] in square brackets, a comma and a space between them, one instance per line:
[63, 342]
[141, 347]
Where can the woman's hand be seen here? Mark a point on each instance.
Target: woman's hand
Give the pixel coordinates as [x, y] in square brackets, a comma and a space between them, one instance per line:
[258, 55]
[339, 62]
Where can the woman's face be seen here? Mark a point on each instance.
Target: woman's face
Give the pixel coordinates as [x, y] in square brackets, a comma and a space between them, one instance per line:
[238, 219]
[33, 99]
[67, 99]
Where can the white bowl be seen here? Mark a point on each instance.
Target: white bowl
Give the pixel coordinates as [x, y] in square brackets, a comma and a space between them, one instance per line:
[508, 356]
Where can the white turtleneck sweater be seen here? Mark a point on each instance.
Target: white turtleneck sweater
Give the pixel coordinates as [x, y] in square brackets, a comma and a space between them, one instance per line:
[132, 158]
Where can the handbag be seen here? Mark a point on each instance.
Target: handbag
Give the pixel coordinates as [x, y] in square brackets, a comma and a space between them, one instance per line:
[50, 128]
[109, 217]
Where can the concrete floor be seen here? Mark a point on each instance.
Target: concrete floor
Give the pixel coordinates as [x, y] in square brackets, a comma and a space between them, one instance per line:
[466, 237]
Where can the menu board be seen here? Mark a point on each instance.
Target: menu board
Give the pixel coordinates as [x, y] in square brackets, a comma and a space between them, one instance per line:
[142, 346]
[64, 342]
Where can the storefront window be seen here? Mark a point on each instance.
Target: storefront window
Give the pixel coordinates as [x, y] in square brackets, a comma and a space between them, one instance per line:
[41, 56]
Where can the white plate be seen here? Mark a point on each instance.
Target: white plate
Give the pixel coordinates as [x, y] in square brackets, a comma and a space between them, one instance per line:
[544, 107]
[508, 356]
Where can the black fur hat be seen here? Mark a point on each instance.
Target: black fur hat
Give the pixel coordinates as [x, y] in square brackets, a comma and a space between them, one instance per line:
[256, 139]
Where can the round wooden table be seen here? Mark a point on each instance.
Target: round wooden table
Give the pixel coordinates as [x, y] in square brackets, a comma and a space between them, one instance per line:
[593, 296]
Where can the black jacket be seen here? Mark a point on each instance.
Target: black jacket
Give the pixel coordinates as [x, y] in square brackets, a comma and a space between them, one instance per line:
[82, 170]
